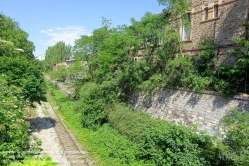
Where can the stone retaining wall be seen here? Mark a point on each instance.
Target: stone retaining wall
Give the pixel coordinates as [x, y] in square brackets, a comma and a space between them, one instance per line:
[188, 108]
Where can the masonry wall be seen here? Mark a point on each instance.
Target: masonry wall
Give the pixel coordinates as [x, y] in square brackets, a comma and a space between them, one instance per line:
[188, 108]
[231, 14]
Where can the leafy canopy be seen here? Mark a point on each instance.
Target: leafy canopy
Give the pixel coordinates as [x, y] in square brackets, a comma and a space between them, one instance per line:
[10, 32]
[56, 54]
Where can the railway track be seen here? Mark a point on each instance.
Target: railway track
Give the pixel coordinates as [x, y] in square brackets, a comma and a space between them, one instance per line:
[74, 153]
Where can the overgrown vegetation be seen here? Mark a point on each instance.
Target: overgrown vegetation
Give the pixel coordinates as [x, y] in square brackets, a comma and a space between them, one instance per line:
[21, 83]
[56, 54]
[236, 141]
[17, 61]
[13, 39]
[134, 138]
[147, 56]
[14, 129]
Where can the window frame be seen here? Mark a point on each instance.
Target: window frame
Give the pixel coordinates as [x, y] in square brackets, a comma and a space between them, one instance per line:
[186, 30]
[216, 10]
[205, 17]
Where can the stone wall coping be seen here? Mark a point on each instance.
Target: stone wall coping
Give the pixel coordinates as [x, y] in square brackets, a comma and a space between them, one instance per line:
[240, 96]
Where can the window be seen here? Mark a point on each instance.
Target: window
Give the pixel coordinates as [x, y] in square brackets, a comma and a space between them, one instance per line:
[216, 11]
[206, 14]
[186, 29]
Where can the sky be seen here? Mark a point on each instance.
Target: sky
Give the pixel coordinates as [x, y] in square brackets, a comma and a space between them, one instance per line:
[50, 21]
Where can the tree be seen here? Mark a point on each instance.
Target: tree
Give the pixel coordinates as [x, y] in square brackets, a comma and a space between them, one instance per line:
[60, 74]
[56, 54]
[175, 8]
[11, 31]
[84, 48]
[159, 40]
[17, 62]
[25, 74]
[90, 45]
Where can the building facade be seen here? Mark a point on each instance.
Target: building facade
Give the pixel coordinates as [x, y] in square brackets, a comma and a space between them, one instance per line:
[219, 19]
[67, 63]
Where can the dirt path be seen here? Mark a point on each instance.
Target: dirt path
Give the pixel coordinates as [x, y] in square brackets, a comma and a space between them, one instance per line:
[57, 141]
[42, 128]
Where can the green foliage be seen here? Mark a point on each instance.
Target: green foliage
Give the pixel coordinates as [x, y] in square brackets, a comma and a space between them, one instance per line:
[116, 145]
[231, 79]
[105, 145]
[112, 75]
[10, 32]
[6, 47]
[207, 66]
[25, 74]
[159, 41]
[226, 80]
[92, 106]
[150, 141]
[176, 8]
[78, 70]
[60, 74]
[35, 162]
[83, 47]
[237, 142]
[154, 83]
[56, 54]
[21, 81]
[161, 142]
[17, 60]
[181, 72]
[14, 138]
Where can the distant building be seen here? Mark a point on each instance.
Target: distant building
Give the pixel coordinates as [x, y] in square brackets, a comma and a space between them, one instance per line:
[62, 65]
[40, 57]
[67, 63]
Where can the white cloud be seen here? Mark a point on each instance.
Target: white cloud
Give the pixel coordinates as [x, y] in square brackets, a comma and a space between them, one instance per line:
[67, 34]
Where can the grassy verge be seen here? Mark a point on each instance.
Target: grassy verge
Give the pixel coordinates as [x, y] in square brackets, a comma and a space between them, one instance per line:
[105, 146]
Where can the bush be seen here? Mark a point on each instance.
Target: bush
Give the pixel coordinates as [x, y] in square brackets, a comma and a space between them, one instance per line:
[163, 143]
[60, 74]
[25, 74]
[92, 106]
[14, 138]
[236, 140]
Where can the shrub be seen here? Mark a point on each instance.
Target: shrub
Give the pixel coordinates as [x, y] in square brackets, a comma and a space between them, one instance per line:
[163, 143]
[14, 138]
[92, 106]
[236, 139]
